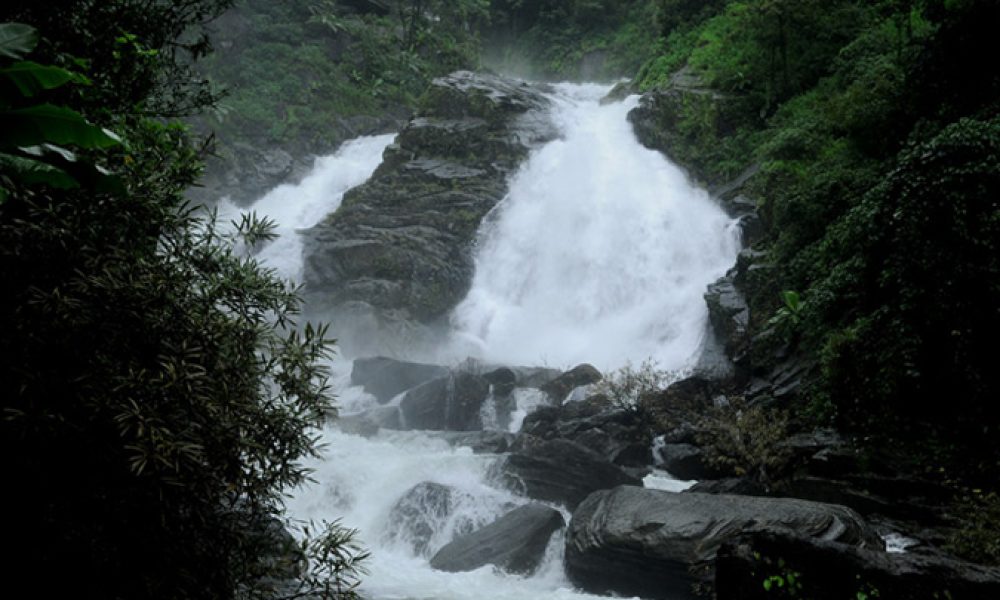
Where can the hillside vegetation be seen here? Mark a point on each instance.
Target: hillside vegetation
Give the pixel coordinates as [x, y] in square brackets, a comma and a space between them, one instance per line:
[877, 132]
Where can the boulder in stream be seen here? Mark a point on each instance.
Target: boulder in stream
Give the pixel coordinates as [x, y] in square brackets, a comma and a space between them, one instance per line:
[385, 377]
[449, 403]
[657, 544]
[515, 542]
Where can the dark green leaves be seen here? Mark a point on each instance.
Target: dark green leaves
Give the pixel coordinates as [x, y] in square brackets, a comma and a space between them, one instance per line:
[17, 39]
[31, 78]
[29, 170]
[36, 125]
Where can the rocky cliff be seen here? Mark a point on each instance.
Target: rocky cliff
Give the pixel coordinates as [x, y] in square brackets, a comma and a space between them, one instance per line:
[397, 254]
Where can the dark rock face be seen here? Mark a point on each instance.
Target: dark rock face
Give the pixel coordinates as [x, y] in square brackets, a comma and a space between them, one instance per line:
[398, 249]
[829, 570]
[561, 386]
[385, 377]
[728, 313]
[560, 471]
[515, 542]
[245, 172]
[654, 120]
[503, 381]
[449, 403]
[685, 461]
[616, 434]
[635, 541]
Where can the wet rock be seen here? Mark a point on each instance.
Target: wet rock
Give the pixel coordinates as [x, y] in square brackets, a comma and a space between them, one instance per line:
[731, 485]
[617, 434]
[729, 313]
[385, 377]
[561, 386]
[559, 470]
[481, 442]
[515, 542]
[635, 541]
[685, 461]
[419, 513]
[399, 247]
[535, 377]
[620, 91]
[503, 380]
[449, 403]
[828, 570]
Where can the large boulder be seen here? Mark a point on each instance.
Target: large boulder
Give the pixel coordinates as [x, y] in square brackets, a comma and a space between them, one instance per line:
[828, 570]
[559, 470]
[385, 377]
[450, 403]
[398, 250]
[515, 542]
[657, 544]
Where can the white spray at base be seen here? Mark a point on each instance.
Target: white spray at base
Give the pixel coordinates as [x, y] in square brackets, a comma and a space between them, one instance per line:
[600, 253]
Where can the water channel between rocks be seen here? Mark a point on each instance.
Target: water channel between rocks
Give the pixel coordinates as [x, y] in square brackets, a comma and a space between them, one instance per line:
[600, 253]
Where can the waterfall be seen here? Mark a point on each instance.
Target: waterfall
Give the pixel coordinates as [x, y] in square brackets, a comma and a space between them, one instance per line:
[301, 205]
[600, 253]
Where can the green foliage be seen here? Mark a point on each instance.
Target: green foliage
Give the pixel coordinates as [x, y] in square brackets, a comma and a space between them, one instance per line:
[590, 39]
[876, 140]
[159, 396]
[296, 69]
[745, 440]
[29, 153]
[630, 387]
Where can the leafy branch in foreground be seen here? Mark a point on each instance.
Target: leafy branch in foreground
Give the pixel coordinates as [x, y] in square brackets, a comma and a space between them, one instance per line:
[159, 394]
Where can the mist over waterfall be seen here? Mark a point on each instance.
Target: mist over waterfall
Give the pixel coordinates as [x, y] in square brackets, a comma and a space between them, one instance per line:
[600, 253]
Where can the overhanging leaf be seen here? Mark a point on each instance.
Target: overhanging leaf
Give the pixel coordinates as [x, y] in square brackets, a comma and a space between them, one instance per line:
[30, 78]
[46, 123]
[29, 170]
[17, 39]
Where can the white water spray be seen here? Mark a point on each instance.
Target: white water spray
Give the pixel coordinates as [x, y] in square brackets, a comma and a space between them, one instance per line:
[302, 205]
[600, 253]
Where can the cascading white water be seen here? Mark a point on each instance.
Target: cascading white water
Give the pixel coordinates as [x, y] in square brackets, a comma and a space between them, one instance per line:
[297, 206]
[600, 253]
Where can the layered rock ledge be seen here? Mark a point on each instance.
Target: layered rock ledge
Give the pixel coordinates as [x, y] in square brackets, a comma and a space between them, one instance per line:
[397, 253]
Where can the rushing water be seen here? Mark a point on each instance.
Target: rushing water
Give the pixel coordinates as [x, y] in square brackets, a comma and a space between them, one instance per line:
[304, 204]
[600, 253]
